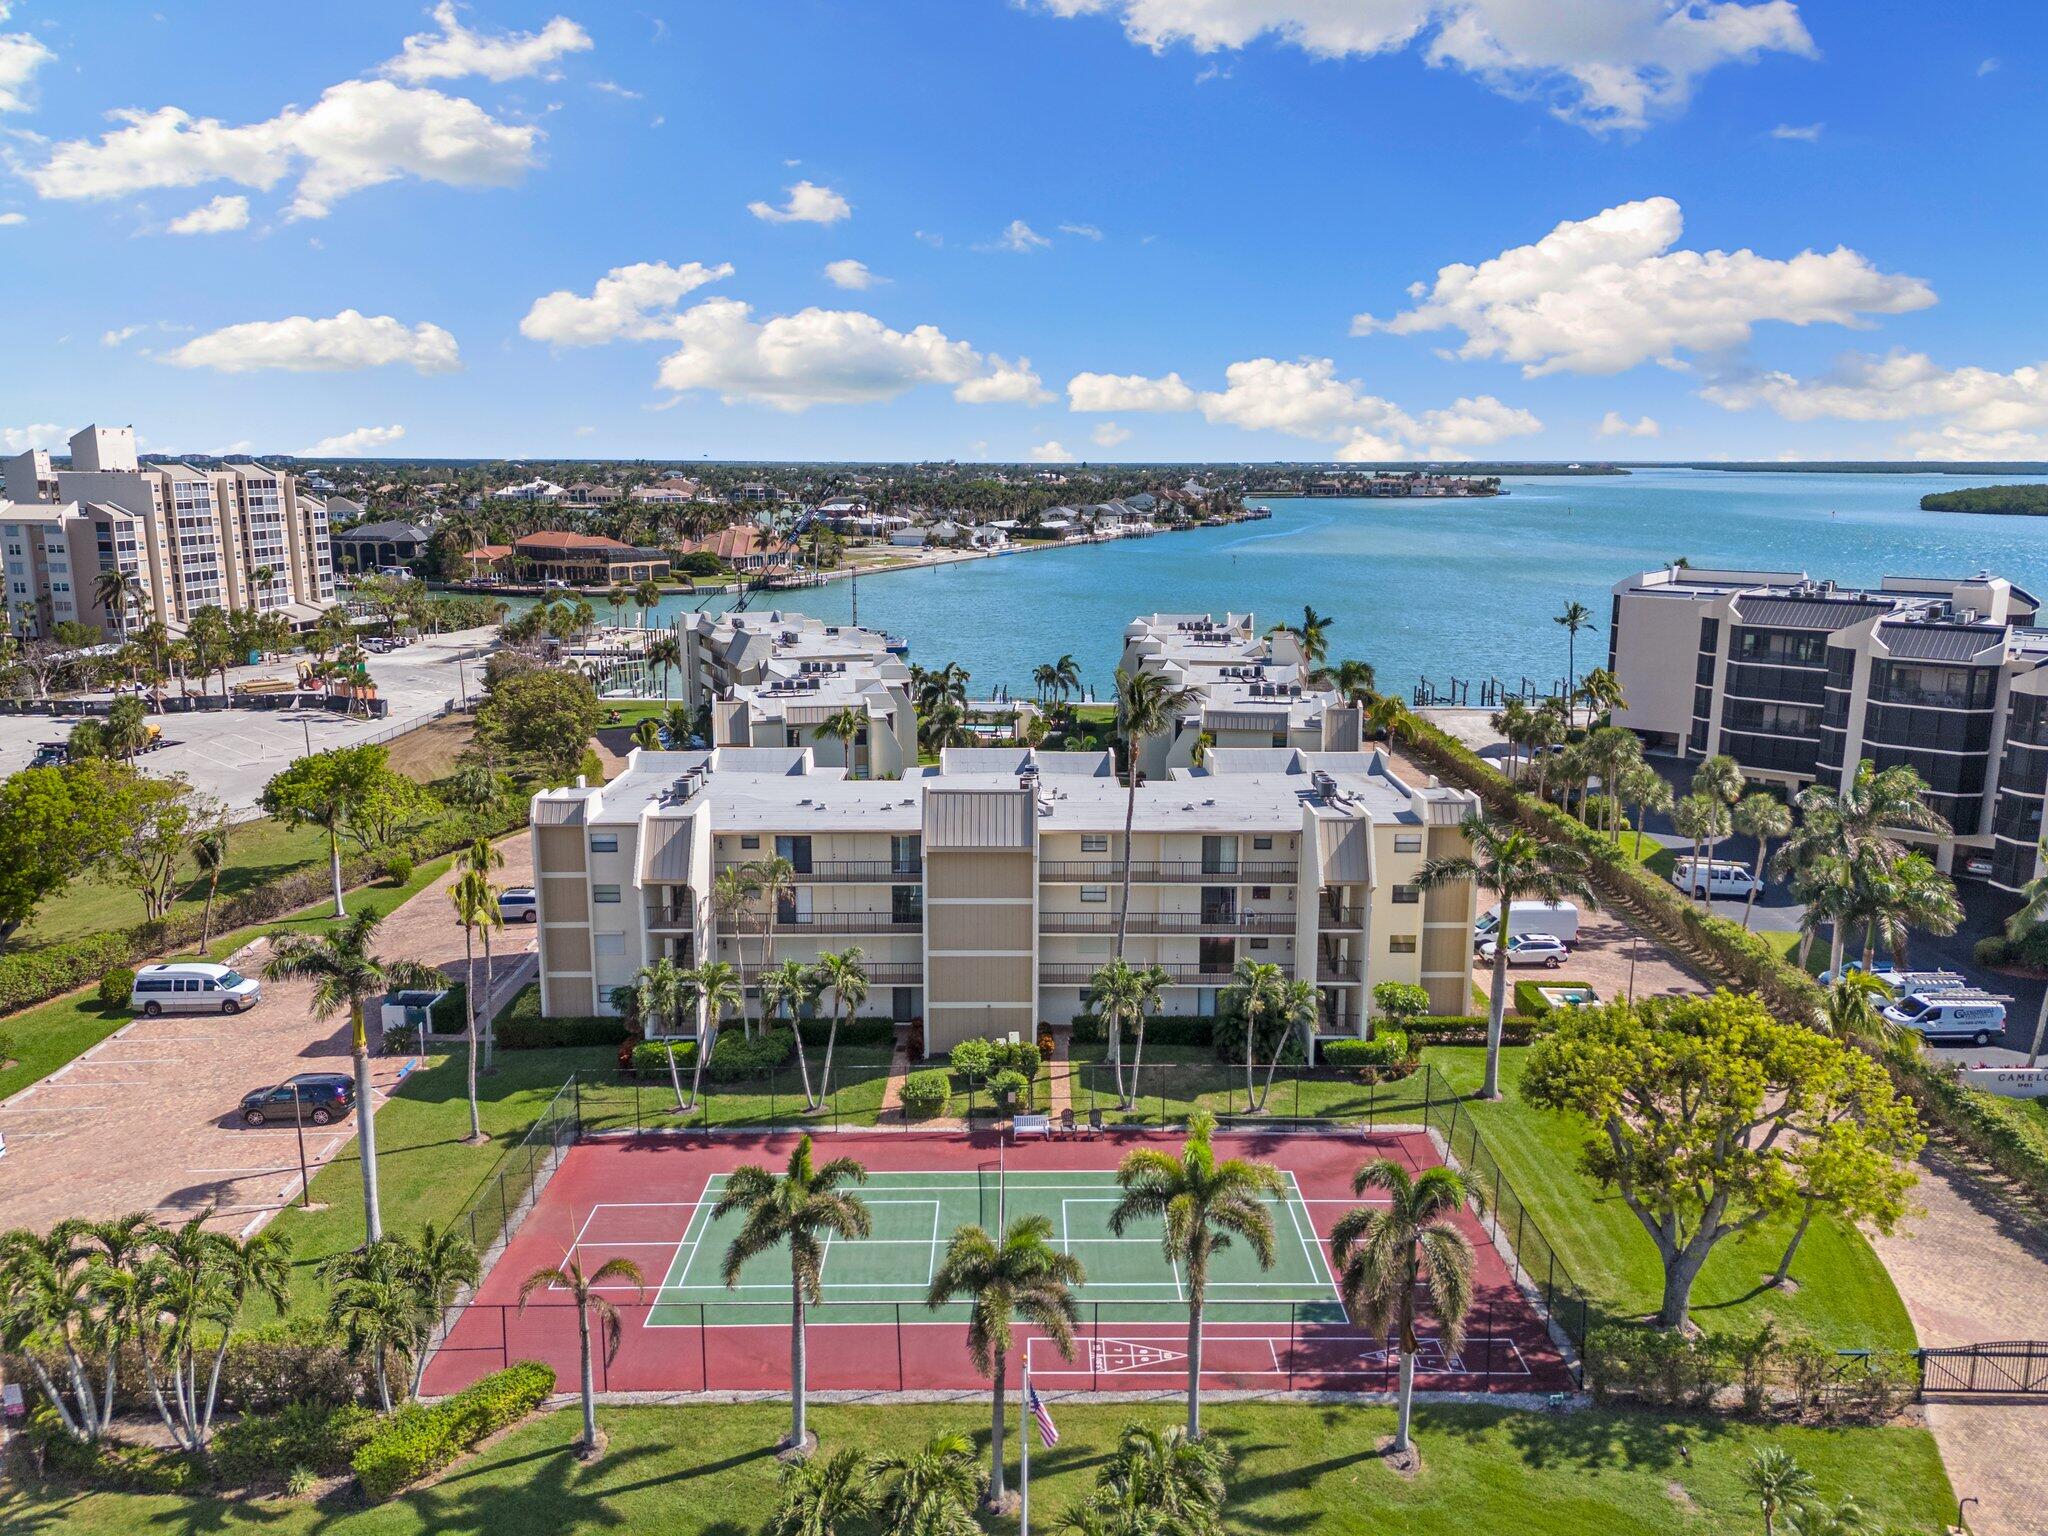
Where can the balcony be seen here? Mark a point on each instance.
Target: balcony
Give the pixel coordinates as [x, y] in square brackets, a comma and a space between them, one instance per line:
[1339, 971]
[849, 922]
[1168, 922]
[666, 919]
[851, 871]
[888, 973]
[1163, 872]
[1177, 975]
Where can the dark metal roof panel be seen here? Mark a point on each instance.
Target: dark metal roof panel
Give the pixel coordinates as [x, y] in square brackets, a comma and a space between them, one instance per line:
[1942, 642]
[1806, 612]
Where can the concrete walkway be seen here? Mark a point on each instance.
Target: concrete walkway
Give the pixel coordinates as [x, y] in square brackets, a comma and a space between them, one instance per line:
[1974, 1269]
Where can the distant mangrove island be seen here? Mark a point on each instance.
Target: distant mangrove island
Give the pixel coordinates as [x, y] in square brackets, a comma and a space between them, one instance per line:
[2003, 500]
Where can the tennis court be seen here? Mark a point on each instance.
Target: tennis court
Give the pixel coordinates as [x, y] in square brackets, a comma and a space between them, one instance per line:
[650, 1200]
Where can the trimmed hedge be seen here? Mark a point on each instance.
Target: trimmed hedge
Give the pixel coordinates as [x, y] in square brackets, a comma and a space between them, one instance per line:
[547, 1034]
[867, 1031]
[323, 1438]
[105, 1464]
[1388, 1048]
[651, 1056]
[926, 1094]
[1529, 999]
[1160, 1029]
[419, 1439]
[1671, 1369]
[736, 1059]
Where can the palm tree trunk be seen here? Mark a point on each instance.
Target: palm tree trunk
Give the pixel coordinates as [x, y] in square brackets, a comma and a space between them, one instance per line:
[831, 1044]
[588, 1385]
[706, 1039]
[1251, 1015]
[206, 923]
[675, 1080]
[1137, 1060]
[476, 1123]
[2040, 1034]
[490, 1023]
[803, 1070]
[1497, 1005]
[798, 1436]
[1196, 1285]
[366, 1124]
[334, 865]
[1405, 1411]
[1762, 846]
[996, 1432]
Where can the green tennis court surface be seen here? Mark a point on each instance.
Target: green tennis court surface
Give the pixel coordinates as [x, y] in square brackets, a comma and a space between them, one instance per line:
[914, 1215]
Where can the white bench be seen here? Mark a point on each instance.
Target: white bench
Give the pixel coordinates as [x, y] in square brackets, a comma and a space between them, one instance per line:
[1030, 1125]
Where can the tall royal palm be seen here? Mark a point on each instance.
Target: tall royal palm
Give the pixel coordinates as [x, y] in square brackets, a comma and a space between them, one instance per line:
[1259, 994]
[1387, 1255]
[346, 974]
[586, 1293]
[2025, 924]
[1022, 1275]
[1515, 866]
[658, 999]
[1766, 818]
[711, 989]
[735, 895]
[1575, 617]
[1204, 1207]
[802, 1210]
[844, 974]
[666, 653]
[476, 907]
[1147, 704]
[788, 989]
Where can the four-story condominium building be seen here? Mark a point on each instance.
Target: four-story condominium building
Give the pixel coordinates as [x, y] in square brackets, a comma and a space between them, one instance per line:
[1800, 681]
[1252, 690]
[235, 536]
[984, 892]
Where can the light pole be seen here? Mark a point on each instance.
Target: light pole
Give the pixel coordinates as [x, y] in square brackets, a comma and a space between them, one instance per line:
[299, 1126]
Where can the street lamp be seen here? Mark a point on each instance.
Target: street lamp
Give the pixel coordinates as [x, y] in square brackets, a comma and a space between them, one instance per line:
[299, 1125]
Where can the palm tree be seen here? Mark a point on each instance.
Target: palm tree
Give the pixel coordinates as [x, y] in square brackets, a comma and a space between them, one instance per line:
[1610, 751]
[210, 859]
[189, 1292]
[1066, 674]
[373, 1302]
[1388, 719]
[53, 1302]
[665, 652]
[1600, 691]
[1545, 729]
[1355, 681]
[1515, 866]
[1703, 820]
[1203, 1206]
[1575, 617]
[1511, 723]
[1158, 1480]
[1777, 1482]
[117, 591]
[476, 907]
[479, 859]
[1386, 1256]
[658, 995]
[647, 735]
[933, 1490]
[346, 974]
[1647, 790]
[823, 1497]
[1259, 992]
[711, 988]
[1147, 704]
[1853, 1009]
[1147, 996]
[2023, 925]
[1112, 997]
[845, 976]
[846, 726]
[647, 596]
[733, 894]
[1044, 681]
[788, 989]
[804, 1209]
[439, 1265]
[1024, 1273]
[1845, 1519]
[617, 599]
[1720, 778]
[1910, 894]
[586, 1292]
[1763, 817]
[1311, 634]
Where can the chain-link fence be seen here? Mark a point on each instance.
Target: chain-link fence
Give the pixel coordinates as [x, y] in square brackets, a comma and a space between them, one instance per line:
[494, 1211]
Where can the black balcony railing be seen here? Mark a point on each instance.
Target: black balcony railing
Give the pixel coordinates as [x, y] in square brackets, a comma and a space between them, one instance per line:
[1177, 975]
[668, 919]
[892, 973]
[853, 871]
[849, 922]
[1154, 871]
[1168, 922]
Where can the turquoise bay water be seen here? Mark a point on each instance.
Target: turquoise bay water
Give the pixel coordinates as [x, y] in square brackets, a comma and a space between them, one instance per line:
[1439, 589]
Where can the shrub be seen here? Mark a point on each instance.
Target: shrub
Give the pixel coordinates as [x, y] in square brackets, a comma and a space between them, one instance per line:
[546, 1034]
[1666, 1368]
[398, 868]
[1160, 1029]
[1011, 1086]
[1529, 998]
[651, 1056]
[1467, 1029]
[107, 1464]
[1021, 1058]
[279, 1363]
[320, 1438]
[926, 1094]
[736, 1059]
[866, 1031]
[419, 1439]
[1387, 1048]
[1992, 950]
[116, 987]
[1400, 1000]
[973, 1059]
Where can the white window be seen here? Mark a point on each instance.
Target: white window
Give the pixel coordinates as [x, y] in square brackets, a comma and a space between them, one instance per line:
[1407, 842]
[604, 842]
[605, 895]
[1095, 844]
[1095, 893]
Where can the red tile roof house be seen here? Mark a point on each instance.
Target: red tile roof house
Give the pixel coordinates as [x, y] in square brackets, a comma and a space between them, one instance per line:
[585, 560]
[743, 547]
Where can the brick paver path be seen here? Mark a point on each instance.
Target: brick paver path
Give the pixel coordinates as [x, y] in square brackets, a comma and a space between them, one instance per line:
[146, 1120]
[1973, 1270]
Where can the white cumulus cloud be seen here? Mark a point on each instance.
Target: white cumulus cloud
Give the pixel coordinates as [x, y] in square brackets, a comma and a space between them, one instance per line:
[40, 434]
[1614, 424]
[359, 134]
[1005, 383]
[1605, 64]
[114, 338]
[1603, 294]
[1051, 452]
[1307, 399]
[1962, 413]
[1110, 435]
[362, 440]
[848, 273]
[456, 51]
[1019, 238]
[10, 219]
[341, 343]
[21, 55]
[634, 303]
[1085, 231]
[808, 203]
[218, 217]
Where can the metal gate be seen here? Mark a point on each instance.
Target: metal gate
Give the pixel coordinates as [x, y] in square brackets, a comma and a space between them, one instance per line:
[2014, 1368]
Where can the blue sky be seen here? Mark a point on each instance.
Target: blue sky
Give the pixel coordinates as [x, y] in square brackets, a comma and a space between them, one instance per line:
[1098, 229]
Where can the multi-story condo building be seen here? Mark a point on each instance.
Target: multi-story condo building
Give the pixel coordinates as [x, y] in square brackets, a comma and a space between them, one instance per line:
[1254, 690]
[1800, 681]
[984, 890]
[239, 536]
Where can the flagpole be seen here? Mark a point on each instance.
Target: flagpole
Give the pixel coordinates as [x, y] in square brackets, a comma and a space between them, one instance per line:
[1024, 1456]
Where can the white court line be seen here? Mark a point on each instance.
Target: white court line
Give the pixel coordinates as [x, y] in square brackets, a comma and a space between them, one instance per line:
[1317, 1258]
[931, 1268]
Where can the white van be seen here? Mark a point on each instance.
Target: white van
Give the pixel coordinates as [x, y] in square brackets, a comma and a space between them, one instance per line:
[1718, 878]
[1558, 919]
[1976, 1017]
[192, 986]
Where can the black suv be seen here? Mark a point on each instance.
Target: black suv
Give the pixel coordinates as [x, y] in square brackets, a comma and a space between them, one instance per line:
[321, 1097]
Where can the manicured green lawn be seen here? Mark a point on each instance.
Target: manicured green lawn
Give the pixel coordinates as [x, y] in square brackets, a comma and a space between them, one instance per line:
[709, 1471]
[1845, 1298]
[43, 1038]
[861, 1073]
[1647, 851]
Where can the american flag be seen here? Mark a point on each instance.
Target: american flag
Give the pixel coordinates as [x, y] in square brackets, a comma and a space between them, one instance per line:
[1048, 1432]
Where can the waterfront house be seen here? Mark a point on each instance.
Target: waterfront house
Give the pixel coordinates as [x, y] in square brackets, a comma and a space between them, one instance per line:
[586, 560]
[372, 546]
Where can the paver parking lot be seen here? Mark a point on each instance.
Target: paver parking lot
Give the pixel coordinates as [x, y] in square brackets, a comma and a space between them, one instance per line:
[1612, 958]
[146, 1121]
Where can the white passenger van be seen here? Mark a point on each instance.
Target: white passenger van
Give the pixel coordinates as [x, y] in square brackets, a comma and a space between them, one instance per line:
[192, 986]
[1718, 878]
[1558, 919]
